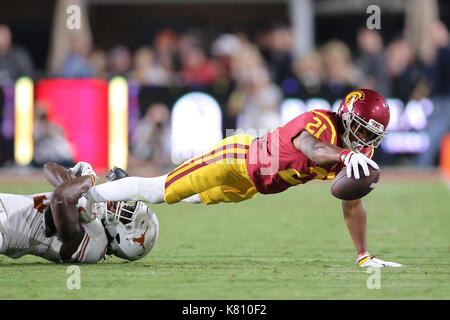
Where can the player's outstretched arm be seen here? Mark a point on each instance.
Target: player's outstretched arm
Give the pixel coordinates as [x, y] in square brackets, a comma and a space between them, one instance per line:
[355, 216]
[57, 174]
[65, 213]
[320, 152]
[324, 153]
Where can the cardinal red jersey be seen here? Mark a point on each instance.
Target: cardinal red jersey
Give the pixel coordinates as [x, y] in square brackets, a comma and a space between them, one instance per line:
[274, 164]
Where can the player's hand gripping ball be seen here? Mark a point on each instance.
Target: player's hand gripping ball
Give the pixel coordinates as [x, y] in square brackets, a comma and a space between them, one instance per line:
[350, 188]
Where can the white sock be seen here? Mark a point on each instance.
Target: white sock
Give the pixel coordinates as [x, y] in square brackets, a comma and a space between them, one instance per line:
[130, 188]
[192, 199]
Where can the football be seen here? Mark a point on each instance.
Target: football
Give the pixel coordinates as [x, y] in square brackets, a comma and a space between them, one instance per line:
[350, 188]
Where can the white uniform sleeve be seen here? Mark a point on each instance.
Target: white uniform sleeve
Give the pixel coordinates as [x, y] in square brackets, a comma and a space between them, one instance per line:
[93, 246]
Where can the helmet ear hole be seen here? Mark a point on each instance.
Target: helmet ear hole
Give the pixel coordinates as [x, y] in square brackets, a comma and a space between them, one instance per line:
[118, 238]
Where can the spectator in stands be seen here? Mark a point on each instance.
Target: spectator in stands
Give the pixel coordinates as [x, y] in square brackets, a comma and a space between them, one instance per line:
[165, 50]
[50, 143]
[77, 64]
[371, 61]
[146, 71]
[404, 74]
[279, 57]
[186, 41]
[150, 140]
[223, 49]
[256, 99]
[438, 63]
[196, 69]
[262, 40]
[309, 72]
[246, 58]
[119, 62]
[340, 71]
[438, 75]
[14, 61]
[98, 62]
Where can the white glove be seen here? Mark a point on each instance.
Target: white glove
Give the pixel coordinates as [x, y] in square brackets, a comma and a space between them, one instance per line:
[353, 159]
[366, 261]
[83, 169]
[387, 263]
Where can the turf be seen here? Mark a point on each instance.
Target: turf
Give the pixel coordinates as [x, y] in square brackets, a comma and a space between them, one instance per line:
[292, 245]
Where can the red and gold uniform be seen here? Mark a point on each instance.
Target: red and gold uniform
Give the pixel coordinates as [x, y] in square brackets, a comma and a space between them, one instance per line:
[240, 166]
[219, 175]
[274, 164]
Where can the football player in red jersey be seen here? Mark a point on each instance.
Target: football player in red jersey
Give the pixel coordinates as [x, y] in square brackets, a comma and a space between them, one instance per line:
[315, 145]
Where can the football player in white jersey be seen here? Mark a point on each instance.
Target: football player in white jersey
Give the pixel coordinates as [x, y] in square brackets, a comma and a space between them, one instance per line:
[63, 226]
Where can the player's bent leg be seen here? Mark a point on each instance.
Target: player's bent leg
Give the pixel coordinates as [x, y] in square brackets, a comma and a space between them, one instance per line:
[194, 182]
[227, 194]
[192, 199]
[223, 165]
[130, 188]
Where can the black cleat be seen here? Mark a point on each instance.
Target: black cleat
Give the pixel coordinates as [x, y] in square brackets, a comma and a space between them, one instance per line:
[116, 174]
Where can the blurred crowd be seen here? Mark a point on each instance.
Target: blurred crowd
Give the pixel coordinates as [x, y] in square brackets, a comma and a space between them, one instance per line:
[260, 69]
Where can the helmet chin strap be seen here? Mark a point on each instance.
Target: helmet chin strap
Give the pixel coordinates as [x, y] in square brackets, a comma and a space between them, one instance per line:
[356, 146]
[347, 123]
[346, 140]
[347, 120]
[346, 136]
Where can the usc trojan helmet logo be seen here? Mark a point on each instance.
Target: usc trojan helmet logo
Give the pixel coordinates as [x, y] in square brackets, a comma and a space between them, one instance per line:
[352, 97]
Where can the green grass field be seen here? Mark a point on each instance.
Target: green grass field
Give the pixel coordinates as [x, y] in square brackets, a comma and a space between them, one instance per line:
[293, 245]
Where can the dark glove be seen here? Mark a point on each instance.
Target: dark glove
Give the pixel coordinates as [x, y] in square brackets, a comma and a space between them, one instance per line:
[116, 174]
[49, 224]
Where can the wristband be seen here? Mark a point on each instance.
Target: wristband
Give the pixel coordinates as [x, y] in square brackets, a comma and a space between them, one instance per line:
[93, 179]
[343, 154]
[362, 254]
[363, 257]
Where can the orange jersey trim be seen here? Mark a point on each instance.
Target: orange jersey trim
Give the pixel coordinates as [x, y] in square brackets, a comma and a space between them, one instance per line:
[84, 249]
[84, 244]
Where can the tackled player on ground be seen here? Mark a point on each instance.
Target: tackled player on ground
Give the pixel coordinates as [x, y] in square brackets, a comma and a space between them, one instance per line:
[63, 226]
